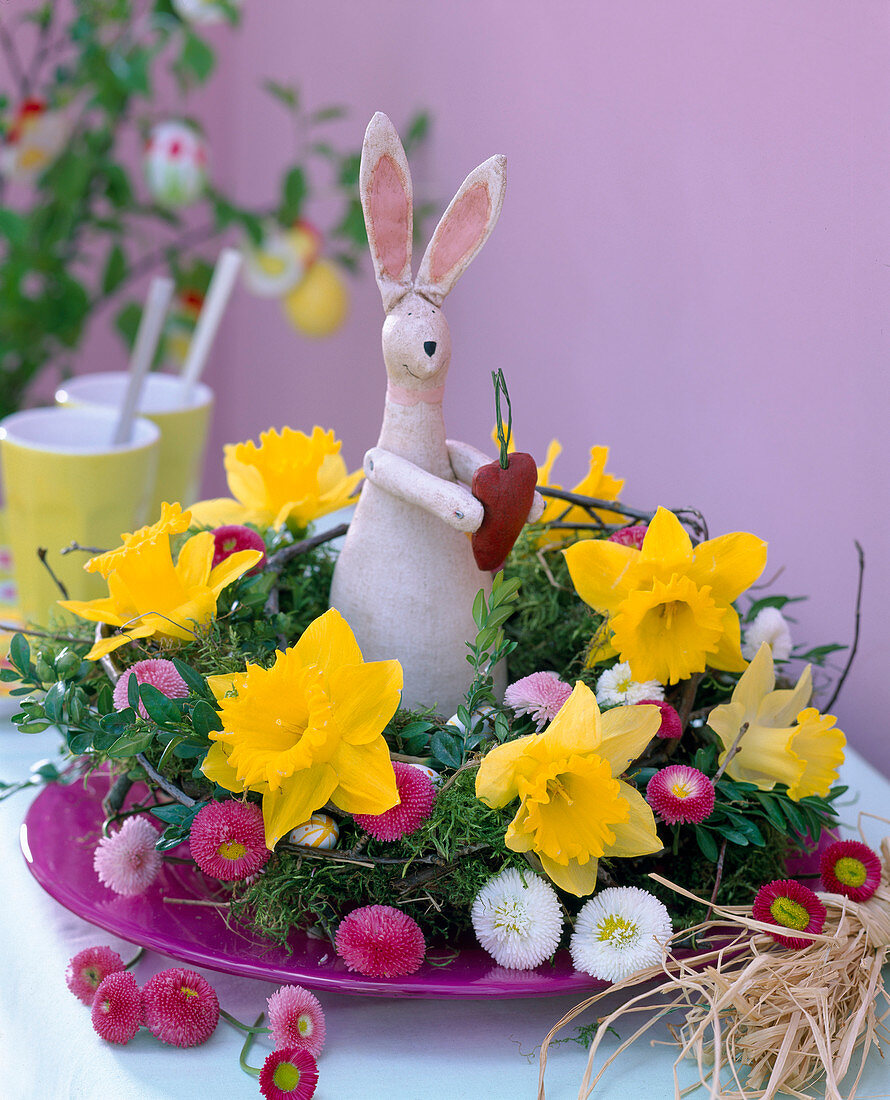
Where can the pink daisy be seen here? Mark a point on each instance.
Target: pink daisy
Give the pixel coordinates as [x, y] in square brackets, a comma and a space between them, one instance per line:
[289, 1075]
[541, 695]
[228, 840]
[671, 727]
[850, 868]
[380, 942]
[630, 536]
[296, 1020]
[155, 671]
[417, 795]
[87, 970]
[681, 795]
[787, 904]
[180, 1007]
[231, 539]
[127, 861]
[117, 1009]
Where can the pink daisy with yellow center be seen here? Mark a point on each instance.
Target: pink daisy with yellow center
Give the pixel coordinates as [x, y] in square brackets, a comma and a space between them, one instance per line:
[88, 969]
[681, 795]
[850, 868]
[127, 862]
[787, 904]
[156, 671]
[180, 1007]
[416, 797]
[289, 1074]
[233, 538]
[228, 840]
[380, 942]
[671, 727]
[117, 1009]
[296, 1020]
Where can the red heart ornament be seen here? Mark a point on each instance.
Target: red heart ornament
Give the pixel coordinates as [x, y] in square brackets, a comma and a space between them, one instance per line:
[506, 496]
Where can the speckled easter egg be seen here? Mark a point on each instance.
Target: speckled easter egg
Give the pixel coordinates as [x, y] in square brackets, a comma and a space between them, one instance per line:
[175, 164]
[432, 775]
[320, 831]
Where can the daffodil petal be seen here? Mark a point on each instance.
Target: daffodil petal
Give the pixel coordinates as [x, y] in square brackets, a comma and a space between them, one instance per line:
[598, 569]
[554, 450]
[496, 778]
[575, 878]
[780, 708]
[108, 645]
[666, 540]
[245, 482]
[366, 780]
[231, 568]
[758, 680]
[95, 611]
[296, 800]
[576, 728]
[730, 564]
[195, 558]
[226, 684]
[637, 836]
[364, 697]
[765, 757]
[220, 512]
[727, 656]
[822, 749]
[626, 731]
[328, 642]
[217, 768]
[726, 721]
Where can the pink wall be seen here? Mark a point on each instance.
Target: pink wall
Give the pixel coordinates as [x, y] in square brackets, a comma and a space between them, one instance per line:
[691, 266]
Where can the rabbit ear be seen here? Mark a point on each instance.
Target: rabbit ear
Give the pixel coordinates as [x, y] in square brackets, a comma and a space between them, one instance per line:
[385, 189]
[463, 230]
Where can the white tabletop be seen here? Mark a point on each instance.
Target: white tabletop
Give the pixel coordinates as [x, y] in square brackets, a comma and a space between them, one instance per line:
[399, 1049]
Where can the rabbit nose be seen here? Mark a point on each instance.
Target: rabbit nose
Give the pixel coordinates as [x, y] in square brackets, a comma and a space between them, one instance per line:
[429, 346]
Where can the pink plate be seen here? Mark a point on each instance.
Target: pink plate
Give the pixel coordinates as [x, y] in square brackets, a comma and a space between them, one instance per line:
[59, 836]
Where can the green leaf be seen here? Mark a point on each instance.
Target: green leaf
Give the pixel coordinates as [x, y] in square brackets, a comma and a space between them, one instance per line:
[118, 721]
[160, 708]
[327, 114]
[707, 844]
[131, 743]
[20, 653]
[818, 653]
[284, 93]
[8, 675]
[734, 836]
[795, 818]
[116, 268]
[770, 601]
[127, 322]
[768, 803]
[479, 608]
[13, 226]
[54, 702]
[418, 129]
[173, 814]
[293, 193]
[195, 681]
[446, 749]
[197, 58]
[205, 719]
[105, 699]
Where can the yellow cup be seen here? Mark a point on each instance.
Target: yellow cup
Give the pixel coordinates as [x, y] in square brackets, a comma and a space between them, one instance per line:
[183, 426]
[66, 481]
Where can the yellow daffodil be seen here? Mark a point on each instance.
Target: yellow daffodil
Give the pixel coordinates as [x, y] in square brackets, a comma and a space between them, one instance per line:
[150, 595]
[309, 729]
[596, 483]
[573, 809]
[289, 476]
[784, 740]
[669, 604]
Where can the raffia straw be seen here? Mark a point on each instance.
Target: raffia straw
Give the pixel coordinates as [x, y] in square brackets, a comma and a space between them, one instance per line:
[788, 1017]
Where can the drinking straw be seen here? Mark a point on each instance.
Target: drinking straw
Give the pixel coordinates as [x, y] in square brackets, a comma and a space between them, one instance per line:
[208, 322]
[159, 294]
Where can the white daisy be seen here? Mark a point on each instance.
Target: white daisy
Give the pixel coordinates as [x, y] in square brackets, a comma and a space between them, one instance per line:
[617, 686]
[619, 932]
[769, 626]
[517, 919]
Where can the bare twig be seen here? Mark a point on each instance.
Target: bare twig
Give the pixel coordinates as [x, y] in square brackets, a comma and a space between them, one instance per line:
[733, 749]
[278, 560]
[717, 880]
[861, 555]
[75, 546]
[164, 783]
[687, 699]
[16, 69]
[41, 553]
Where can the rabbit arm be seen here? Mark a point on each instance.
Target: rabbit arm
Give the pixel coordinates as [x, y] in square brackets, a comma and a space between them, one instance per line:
[452, 503]
[466, 460]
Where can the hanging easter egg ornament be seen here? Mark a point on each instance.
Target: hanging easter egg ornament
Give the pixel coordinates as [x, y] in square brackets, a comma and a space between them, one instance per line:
[207, 12]
[180, 326]
[318, 304]
[273, 267]
[506, 490]
[34, 139]
[320, 831]
[175, 164]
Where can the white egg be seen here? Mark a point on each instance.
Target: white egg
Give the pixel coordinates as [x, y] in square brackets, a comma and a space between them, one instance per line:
[320, 831]
[432, 775]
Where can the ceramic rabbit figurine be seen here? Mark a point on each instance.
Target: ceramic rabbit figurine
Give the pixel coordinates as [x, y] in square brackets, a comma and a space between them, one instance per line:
[405, 579]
